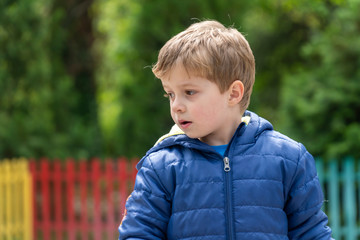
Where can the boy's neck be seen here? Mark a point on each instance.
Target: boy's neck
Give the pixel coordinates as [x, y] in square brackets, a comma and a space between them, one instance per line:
[225, 136]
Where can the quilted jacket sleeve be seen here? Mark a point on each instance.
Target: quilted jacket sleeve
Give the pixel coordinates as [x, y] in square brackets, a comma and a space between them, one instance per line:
[306, 220]
[147, 208]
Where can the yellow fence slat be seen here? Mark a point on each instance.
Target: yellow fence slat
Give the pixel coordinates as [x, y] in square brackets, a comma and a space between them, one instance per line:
[28, 204]
[2, 201]
[15, 200]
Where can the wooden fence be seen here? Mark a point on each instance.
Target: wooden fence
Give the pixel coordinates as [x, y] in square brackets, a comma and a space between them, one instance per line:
[341, 185]
[58, 200]
[80, 200]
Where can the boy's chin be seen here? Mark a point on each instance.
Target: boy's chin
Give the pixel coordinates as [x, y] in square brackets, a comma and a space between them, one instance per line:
[198, 136]
[193, 136]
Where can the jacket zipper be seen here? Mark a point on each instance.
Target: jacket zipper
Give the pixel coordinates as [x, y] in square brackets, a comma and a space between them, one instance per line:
[228, 195]
[227, 164]
[228, 201]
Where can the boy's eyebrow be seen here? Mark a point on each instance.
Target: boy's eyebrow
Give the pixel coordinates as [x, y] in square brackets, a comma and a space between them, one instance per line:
[185, 84]
[188, 85]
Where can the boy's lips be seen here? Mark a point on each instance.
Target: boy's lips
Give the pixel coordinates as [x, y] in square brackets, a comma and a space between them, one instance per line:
[184, 124]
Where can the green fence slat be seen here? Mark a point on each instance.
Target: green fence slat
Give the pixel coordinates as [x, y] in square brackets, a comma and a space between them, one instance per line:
[334, 201]
[349, 199]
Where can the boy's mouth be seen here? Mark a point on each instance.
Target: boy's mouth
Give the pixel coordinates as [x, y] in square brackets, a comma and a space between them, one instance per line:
[184, 124]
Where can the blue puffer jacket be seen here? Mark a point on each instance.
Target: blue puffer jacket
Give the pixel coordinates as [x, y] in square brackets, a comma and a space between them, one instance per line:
[185, 190]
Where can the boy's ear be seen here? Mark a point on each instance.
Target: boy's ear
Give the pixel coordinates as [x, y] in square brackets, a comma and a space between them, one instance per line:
[236, 92]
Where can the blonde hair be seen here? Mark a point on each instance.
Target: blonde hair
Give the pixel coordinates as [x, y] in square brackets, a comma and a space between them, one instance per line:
[210, 50]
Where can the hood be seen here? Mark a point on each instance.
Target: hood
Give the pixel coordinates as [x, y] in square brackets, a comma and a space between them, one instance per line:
[248, 131]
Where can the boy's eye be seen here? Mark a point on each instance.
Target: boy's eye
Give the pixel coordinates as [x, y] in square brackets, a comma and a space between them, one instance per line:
[190, 92]
[169, 95]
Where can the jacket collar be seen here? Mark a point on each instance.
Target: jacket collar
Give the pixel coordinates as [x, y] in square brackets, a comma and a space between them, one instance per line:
[246, 134]
[251, 127]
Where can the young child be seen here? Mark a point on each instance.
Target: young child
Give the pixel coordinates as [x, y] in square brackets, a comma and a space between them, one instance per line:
[222, 172]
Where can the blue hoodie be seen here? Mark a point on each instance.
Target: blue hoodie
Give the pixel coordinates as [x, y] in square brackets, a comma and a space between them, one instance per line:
[264, 187]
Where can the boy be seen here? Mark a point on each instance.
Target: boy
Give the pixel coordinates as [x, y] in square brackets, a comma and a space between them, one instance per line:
[222, 172]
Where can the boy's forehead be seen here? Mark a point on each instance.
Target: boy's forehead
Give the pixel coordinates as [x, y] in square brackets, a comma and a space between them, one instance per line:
[176, 81]
[179, 71]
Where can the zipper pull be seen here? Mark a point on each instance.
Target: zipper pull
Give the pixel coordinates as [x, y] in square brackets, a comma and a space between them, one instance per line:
[226, 164]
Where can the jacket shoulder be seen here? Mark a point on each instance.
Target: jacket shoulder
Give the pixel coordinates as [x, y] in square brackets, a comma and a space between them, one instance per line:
[163, 157]
[275, 143]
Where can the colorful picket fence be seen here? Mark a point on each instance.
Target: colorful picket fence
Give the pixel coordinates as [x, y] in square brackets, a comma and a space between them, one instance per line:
[56, 200]
[70, 200]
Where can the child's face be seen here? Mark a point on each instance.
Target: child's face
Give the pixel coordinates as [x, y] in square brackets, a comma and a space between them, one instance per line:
[199, 109]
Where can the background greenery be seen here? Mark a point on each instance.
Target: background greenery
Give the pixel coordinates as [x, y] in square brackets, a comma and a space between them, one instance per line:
[76, 80]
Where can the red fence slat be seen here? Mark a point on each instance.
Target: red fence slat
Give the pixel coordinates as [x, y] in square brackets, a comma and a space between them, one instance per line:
[123, 178]
[110, 220]
[96, 195]
[58, 223]
[45, 210]
[83, 181]
[70, 182]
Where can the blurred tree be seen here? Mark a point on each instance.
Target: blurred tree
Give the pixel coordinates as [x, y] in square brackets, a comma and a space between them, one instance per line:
[77, 54]
[275, 38]
[115, 19]
[320, 102]
[39, 105]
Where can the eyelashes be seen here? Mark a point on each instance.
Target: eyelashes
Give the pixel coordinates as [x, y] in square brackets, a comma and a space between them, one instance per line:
[169, 95]
[190, 92]
[187, 93]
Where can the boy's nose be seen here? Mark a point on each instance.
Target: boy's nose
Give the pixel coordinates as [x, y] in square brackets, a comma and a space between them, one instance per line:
[177, 106]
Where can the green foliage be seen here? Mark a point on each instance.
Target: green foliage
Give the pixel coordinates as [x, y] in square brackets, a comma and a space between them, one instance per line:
[38, 103]
[116, 19]
[55, 88]
[274, 39]
[320, 100]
